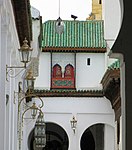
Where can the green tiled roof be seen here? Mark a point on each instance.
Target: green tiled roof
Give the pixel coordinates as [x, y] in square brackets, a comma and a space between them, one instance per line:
[77, 34]
[115, 65]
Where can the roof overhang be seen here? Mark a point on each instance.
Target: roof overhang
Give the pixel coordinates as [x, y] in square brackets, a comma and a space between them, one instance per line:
[73, 49]
[67, 93]
[111, 88]
[109, 76]
[23, 19]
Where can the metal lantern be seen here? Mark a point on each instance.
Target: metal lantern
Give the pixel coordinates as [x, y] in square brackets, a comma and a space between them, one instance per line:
[59, 28]
[34, 110]
[39, 132]
[73, 124]
[25, 52]
[30, 80]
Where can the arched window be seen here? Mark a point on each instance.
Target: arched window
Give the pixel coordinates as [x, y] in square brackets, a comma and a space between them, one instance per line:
[69, 71]
[60, 82]
[57, 71]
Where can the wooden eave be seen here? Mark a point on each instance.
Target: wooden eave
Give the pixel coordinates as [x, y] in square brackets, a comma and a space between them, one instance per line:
[111, 88]
[41, 31]
[73, 49]
[68, 93]
[110, 75]
[23, 19]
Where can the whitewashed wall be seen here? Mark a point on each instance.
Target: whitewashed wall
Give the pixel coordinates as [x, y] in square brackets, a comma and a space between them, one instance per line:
[109, 139]
[44, 79]
[89, 76]
[86, 76]
[88, 111]
[8, 46]
[35, 31]
[112, 17]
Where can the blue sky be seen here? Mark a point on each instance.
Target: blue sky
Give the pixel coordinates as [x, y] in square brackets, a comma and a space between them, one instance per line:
[49, 9]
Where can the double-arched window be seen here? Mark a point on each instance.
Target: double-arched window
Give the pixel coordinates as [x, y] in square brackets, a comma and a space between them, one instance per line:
[60, 80]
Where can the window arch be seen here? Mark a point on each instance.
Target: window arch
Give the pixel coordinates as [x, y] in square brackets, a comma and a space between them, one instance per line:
[57, 71]
[69, 71]
[63, 82]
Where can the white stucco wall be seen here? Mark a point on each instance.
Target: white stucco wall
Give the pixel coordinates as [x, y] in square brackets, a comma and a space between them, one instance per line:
[88, 111]
[86, 76]
[43, 80]
[112, 20]
[9, 44]
[109, 144]
[89, 76]
[36, 33]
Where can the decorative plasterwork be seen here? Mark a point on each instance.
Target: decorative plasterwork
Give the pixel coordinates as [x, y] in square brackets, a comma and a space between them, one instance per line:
[109, 76]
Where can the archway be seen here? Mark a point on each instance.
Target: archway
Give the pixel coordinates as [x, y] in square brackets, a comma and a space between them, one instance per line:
[56, 138]
[93, 138]
[87, 141]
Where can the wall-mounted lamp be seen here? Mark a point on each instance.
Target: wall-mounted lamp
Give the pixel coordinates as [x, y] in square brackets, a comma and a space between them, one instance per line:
[30, 79]
[25, 53]
[73, 124]
[39, 132]
[30, 86]
[33, 109]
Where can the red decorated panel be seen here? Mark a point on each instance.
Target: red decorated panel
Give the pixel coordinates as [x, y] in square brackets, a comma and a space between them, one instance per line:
[62, 83]
[67, 81]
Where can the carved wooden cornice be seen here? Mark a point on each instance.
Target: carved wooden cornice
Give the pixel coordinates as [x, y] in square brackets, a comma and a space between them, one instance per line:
[110, 75]
[70, 49]
[68, 93]
[111, 88]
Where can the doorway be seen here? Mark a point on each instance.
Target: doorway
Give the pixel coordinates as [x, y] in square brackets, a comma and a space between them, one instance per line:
[93, 138]
[56, 138]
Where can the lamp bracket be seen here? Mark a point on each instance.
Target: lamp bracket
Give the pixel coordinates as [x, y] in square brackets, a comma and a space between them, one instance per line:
[11, 73]
[35, 108]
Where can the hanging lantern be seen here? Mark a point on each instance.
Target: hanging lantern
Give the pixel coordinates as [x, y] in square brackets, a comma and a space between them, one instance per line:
[34, 109]
[39, 132]
[25, 52]
[59, 28]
